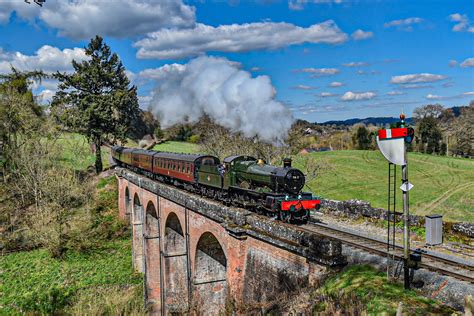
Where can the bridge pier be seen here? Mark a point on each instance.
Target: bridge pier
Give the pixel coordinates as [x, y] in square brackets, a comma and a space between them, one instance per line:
[199, 255]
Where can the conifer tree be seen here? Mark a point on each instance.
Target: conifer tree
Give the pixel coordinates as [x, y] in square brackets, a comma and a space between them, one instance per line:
[97, 99]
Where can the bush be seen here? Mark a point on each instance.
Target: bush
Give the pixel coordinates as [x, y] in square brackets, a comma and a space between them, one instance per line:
[194, 139]
[47, 301]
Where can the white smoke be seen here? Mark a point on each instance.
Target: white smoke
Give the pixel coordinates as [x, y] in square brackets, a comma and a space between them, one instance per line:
[229, 95]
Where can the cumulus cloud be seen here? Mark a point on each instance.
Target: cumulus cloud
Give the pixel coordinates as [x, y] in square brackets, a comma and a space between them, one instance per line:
[360, 35]
[162, 72]
[468, 63]
[81, 19]
[327, 94]
[462, 24]
[352, 96]
[416, 78]
[299, 4]
[181, 43]
[355, 64]
[318, 72]
[336, 84]
[45, 96]
[404, 24]
[415, 86]
[48, 58]
[392, 93]
[468, 93]
[433, 97]
[304, 87]
[218, 88]
[453, 63]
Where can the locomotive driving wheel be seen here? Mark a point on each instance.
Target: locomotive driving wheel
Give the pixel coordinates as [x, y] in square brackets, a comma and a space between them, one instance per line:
[284, 216]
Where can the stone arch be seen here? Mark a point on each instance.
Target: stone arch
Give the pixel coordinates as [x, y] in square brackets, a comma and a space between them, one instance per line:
[210, 275]
[176, 285]
[137, 233]
[152, 253]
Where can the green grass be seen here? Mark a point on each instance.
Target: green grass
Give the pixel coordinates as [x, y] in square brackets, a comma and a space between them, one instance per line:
[33, 281]
[371, 290]
[77, 152]
[442, 185]
[178, 147]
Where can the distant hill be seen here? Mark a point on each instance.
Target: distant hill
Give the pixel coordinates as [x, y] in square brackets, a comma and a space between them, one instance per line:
[368, 120]
[382, 120]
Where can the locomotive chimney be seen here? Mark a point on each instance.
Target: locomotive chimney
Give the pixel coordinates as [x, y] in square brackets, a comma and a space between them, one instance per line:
[287, 162]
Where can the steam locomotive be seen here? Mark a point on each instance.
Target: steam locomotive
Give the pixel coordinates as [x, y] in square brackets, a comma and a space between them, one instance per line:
[242, 181]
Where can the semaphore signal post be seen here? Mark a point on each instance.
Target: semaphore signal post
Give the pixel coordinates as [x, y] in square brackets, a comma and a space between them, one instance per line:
[392, 143]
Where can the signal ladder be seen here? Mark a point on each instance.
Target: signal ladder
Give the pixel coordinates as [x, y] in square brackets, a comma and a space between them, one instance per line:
[392, 217]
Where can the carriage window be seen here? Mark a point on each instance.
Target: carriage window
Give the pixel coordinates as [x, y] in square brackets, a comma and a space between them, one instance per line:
[179, 168]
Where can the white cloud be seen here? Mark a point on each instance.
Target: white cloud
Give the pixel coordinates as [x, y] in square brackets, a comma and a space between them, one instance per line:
[416, 78]
[161, 72]
[176, 43]
[351, 96]
[327, 94]
[433, 97]
[47, 58]
[356, 64]
[394, 93]
[360, 35]
[468, 63]
[336, 84]
[299, 4]
[254, 69]
[462, 24]
[220, 89]
[453, 63]
[415, 86]
[404, 24]
[318, 72]
[304, 87]
[468, 93]
[82, 19]
[45, 96]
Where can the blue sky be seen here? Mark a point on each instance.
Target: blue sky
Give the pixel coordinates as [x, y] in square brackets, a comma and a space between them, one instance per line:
[405, 54]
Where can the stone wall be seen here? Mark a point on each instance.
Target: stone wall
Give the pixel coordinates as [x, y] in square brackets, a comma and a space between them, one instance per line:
[356, 208]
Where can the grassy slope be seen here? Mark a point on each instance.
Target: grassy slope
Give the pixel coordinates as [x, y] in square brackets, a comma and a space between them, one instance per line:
[443, 185]
[179, 147]
[31, 278]
[367, 289]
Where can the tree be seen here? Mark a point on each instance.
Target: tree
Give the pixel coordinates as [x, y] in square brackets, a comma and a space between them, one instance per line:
[361, 138]
[19, 113]
[430, 110]
[464, 133]
[97, 100]
[429, 135]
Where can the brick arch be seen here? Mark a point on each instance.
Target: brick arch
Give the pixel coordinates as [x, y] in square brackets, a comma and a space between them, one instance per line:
[152, 253]
[210, 274]
[137, 233]
[176, 286]
[127, 203]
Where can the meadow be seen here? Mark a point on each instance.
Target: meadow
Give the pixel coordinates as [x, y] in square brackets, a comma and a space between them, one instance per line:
[442, 185]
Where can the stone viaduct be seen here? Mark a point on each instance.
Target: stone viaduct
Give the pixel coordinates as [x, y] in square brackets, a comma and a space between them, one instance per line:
[199, 255]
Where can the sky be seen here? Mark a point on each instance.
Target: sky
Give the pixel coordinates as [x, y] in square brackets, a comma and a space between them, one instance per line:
[241, 61]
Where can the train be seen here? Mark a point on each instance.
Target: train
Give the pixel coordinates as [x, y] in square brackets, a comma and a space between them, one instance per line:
[238, 180]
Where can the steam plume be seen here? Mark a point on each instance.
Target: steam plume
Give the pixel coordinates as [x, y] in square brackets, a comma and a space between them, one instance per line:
[229, 95]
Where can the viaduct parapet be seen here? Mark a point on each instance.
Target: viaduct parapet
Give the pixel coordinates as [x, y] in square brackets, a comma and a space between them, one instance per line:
[197, 254]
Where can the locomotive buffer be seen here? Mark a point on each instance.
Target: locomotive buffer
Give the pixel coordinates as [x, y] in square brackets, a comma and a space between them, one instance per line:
[391, 143]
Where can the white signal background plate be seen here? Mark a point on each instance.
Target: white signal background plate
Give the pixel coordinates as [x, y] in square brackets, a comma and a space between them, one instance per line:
[393, 150]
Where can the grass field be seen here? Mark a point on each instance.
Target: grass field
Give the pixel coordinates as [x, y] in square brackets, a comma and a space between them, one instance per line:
[178, 147]
[442, 185]
[33, 281]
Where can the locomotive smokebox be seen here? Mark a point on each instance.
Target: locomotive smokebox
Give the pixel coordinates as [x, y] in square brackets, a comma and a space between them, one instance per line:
[287, 163]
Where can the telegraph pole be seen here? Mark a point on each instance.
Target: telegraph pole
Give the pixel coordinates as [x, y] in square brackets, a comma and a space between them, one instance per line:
[406, 225]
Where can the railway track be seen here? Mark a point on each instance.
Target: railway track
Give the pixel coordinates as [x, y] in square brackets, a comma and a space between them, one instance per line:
[447, 265]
